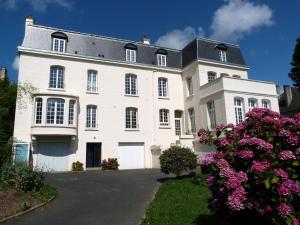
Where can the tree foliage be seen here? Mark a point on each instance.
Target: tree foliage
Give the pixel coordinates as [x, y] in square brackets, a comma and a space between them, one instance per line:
[295, 70]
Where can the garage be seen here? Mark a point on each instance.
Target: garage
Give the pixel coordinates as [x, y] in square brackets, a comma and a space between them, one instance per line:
[53, 156]
[131, 155]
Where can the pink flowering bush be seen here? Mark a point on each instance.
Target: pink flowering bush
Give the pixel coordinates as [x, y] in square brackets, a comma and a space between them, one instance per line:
[255, 170]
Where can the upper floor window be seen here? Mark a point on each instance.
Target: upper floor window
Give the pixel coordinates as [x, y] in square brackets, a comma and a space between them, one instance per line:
[161, 60]
[56, 77]
[92, 81]
[55, 111]
[238, 109]
[38, 110]
[252, 103]
[178, 122]
[59, 41]
[162, 87]
[130, 84]
[191, 112]
[131, 118]
[212, 114]
[211, 76]
[222, 55]
[91, 116]
[265, 104]
[189, 84]
[71, 111]
[130, 55]
[164, 117]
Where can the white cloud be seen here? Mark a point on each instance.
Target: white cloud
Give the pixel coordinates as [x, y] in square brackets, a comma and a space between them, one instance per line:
[37, 5]
[179, 38]
[239, 17]
[15, 64]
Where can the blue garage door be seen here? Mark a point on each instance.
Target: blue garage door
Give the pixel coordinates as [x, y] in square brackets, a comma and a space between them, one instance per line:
[53, 156]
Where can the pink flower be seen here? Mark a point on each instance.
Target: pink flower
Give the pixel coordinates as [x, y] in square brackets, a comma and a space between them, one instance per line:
[235, 201]
[232, 182]
[230, 126]
[210, 180]
[295, 222]
[282, 190]
[286, 155]
[220, 127]
[242, 176]
[207, 159]
[259, 143]
[267, 209]
[284, 210]
[258, 167]
[226, 172]
[245, 154]
[297, 152]
[222, 163]
[281, 173]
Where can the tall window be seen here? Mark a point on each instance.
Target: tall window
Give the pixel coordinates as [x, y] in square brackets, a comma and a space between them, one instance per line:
[91, 116]
[212, 114]
[92, 81]
[161, 60]
[178, 121]
[38, 110]
[55, 111]
[265, 104]
[238, 109]
[162, 87]
[189, 84]
[59, 45]
[71, 112]
[192, 120]
[131, 118]
[130, 55]
[252, 103]
[211, 76]
[164, 118]
[222, 55]
[56, 77]
[130, 84]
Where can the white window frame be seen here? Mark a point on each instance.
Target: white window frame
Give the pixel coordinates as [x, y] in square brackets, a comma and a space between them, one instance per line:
[252, 103]
[57, 111]
[222, 55]
[239, 110]
[161, 60]
[38, 111]
[164, 118]
[211, 109]
[178, 122]
[130, 55]
[266, 104]
[92, 81]
[162, 87]
[211, 76]
[72, 103]
[189, 84]
[131, 87]
[57, 77]
[91, 117]
[192, 118]
[58, 45]
[131, 118]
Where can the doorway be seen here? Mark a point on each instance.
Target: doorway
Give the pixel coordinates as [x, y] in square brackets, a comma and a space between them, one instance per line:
[93, 154]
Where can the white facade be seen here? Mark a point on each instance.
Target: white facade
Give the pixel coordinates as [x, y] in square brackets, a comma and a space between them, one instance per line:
[58, 143]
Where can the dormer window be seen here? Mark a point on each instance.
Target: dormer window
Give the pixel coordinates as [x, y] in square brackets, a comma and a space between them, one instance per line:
[130, 52]
[59, 42]
[161, 55]
[222, 48]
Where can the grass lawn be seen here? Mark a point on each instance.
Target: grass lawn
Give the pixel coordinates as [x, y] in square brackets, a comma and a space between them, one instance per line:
[180, 202]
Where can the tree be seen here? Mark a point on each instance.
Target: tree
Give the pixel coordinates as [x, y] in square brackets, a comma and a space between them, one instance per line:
[294, 74]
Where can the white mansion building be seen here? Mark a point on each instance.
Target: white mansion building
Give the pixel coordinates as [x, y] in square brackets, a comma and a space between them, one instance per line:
[100, 97]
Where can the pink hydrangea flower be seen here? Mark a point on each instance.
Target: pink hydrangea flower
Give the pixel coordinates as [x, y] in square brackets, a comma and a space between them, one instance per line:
[232, 182]
[297, 152]
[210, 180]
[258, 167]
[235, 201]
[226, 172]
[245, 154]
[207, 159]
[242, 176]
[282, 190]
[259, 143]
[281, 173]
[286, 155]
[284, 210]
[295, 222]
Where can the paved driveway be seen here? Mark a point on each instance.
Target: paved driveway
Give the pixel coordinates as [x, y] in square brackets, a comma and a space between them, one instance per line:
[96, 198]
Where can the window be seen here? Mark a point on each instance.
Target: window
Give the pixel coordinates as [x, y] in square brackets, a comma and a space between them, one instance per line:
[161, 60]
[131, 118]
[130, 84]
[38, 110]
[91, 116]
[211, 76]
[58, 45]
[130, 55]
[236, 76]
[212, 114]
[92, 81]
[222, 55]
[71, 112]
[162, 87]
[238, 109]
[189, 84]
[56, 77]
[192, 120]
[55, 111]
[178, 119]
[252, 103]
[164, 118]
[265, 104]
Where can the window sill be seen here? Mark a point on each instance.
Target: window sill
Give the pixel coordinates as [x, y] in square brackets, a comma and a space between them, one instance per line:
[57, 89]
[190, 96]
[92, 92]
[128, 95]
[165, 98]
[132, 129]
[164, 127]
[91, 129]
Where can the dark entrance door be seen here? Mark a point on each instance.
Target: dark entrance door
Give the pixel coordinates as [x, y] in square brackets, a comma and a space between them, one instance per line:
[93, 154]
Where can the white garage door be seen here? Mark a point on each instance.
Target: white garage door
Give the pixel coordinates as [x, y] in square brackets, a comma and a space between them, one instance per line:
[53, 156]
[131, 155]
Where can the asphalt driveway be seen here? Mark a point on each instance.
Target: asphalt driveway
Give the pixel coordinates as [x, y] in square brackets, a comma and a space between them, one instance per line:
[96, 198]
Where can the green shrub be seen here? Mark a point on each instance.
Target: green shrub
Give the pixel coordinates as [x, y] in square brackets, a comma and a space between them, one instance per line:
[77, 166]
[8, 175]
[177, 159]
[110, 164]
[6, 154]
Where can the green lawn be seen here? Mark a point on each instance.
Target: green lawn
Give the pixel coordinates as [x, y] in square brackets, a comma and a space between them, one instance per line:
[180, 202]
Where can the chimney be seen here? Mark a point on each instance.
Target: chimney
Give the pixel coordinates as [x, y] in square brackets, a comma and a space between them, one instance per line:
[288, 94]
[145, 40]
[3, 73]
[278, 90]
[29, 20]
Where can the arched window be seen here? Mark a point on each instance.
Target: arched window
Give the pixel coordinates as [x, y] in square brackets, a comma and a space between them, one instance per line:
[211, 76]
[56, 77]
[55, 111]
[252, 103]
[59, 41]
[131, 118]
[239, 110]
[38, 110]
[162, 87]
[164, 118]
[91, 116]
[130, 84]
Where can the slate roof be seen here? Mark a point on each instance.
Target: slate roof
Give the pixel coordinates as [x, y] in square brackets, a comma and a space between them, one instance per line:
[39, 37]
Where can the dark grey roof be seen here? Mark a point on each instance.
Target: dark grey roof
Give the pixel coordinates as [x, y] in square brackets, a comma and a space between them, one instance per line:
[39, 37]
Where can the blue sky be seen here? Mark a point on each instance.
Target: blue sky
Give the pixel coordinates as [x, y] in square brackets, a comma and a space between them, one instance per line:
[265, 29]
